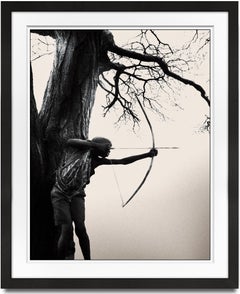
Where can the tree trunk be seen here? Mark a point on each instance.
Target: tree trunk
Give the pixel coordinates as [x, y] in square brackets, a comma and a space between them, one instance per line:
[41, 240]
[65, 113]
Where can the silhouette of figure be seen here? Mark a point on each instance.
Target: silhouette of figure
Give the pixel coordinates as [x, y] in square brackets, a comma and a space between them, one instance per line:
[68, 196]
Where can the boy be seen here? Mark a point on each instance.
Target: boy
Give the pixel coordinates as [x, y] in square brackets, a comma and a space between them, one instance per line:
[76, 168]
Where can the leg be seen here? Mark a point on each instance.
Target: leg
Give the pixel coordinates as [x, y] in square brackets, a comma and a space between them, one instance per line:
[78, 216]
[71, 247]
[63, 241]
[63, 219]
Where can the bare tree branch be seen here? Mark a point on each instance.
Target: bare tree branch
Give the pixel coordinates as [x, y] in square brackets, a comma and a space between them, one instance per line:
[164, 67]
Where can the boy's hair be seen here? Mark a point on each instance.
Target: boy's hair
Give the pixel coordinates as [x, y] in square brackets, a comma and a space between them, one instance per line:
[101, 140]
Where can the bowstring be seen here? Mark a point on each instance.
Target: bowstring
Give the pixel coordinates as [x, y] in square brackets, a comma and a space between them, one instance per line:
[116, 180]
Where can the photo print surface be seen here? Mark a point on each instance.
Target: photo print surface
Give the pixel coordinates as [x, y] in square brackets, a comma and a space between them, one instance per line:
[120, 144]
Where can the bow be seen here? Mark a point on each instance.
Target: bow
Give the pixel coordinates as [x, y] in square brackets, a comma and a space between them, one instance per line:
[151, 162]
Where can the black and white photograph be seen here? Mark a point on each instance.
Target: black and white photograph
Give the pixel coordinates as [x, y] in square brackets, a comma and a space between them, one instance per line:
[120, 149]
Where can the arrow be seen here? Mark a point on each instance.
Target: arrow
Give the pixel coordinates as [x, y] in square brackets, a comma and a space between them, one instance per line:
[144, 148]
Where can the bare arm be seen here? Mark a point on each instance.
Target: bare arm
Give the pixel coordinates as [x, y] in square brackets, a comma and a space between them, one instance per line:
[78, 143]
[84, 144]
[130, 159]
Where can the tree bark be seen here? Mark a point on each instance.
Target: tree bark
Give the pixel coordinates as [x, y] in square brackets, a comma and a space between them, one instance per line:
[70, 92]
[65, 113]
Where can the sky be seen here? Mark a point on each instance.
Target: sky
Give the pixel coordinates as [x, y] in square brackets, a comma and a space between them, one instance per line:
[169, 218]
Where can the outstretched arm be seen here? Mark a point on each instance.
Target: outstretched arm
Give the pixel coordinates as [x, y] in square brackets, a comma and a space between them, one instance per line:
[130, 159]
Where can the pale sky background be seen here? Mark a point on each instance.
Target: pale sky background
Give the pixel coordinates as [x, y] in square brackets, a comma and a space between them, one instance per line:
[169, 217]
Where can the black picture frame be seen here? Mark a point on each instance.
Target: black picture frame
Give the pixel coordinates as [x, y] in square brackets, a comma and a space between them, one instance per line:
[130, 283]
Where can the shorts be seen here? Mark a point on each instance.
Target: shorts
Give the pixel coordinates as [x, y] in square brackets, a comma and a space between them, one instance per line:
[65, 208]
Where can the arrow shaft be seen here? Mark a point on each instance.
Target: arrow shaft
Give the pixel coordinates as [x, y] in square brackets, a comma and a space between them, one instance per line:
[145, 148]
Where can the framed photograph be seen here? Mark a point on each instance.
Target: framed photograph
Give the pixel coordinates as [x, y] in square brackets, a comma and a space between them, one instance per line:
[119, 145]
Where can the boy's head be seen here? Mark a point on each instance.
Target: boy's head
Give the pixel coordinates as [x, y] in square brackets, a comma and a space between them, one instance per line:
[108, 144]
